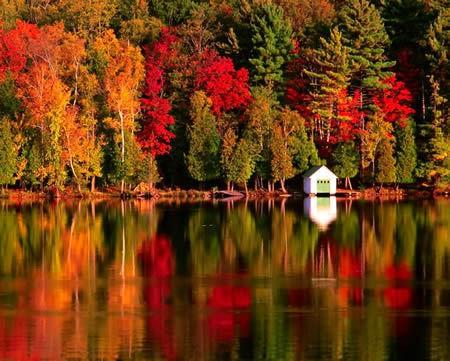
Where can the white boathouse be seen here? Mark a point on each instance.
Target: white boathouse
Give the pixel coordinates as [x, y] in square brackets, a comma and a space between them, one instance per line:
[319, 180]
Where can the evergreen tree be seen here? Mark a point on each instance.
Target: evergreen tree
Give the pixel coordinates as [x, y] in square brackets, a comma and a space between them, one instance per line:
[172, 12]
[203, 156]
[438, 48]
[385, 165]
[8, 156]
[436, 165]
[346, 162]
[405, 152]
[364, 34]
[330, 76]
[9, 104]
[304, 151]
[405, 22]
[32, 154]
[271, 45]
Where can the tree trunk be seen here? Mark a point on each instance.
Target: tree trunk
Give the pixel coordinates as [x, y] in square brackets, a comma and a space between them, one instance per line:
[93, 184]
[228, 185]
[422, 95]
[122, 150]
[246, 189]
[151, 181]
[282, 183]
[350, 183]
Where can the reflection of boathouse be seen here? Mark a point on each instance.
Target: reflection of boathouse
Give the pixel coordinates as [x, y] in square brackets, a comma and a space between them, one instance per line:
[321, 210]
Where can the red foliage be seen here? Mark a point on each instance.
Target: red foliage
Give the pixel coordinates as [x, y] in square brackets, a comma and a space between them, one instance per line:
[13, 48]
[407, 72]
[229, 297]
[296, 89]
[346, 294]
[349, 265]
[400, 272]
[155, 136]
[228, 88]
[350, 114]
[223, 321]
[398, 296]
[164, 51]
[395, 101]
[157, 257]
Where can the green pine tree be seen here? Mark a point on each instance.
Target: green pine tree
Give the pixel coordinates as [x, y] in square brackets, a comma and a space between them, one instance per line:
[8, 154]
[438, 48]
[346, 162]
[330, 76]
[204, 142]
[436, 165]
[272, 45]
[385, 165]
[364, 34]
[406, 153]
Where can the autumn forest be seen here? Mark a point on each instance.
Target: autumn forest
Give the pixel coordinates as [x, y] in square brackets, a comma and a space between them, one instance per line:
[202, 93]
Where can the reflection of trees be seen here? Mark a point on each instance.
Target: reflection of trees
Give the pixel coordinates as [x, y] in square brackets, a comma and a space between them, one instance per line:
[93, 268]
[204, 237]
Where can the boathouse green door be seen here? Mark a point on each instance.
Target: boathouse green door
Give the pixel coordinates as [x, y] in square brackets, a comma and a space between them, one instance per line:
[323, 186]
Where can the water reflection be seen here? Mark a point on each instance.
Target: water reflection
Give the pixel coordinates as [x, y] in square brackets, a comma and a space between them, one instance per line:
[321, 210]
[245, 280]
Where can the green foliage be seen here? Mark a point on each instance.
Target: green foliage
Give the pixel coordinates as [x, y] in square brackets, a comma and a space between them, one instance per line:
[405, 21]
[304, 151]
[172, 12]
[346, 160]
[330, 76]
[281, 163]
[111, 161]
[436, 164]
[272, 45]
[364, 34]
[32, 154]
[203, 156]
[438, 48]
[8, 153]
[385, 165]
[262, 117]
[405, 153]
[9, 104]
[134, 161]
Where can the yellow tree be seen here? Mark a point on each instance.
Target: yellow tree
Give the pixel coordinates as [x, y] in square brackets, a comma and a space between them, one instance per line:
[55, 88]
[121, 81]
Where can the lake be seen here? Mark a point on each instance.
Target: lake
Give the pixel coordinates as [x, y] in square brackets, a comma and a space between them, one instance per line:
[313, 279]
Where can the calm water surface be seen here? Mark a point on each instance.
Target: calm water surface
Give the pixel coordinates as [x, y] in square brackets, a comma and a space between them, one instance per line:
[293, 280]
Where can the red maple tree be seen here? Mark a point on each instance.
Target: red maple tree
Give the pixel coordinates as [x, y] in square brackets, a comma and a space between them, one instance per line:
[226, 87]
[155, 135]
[395, 101]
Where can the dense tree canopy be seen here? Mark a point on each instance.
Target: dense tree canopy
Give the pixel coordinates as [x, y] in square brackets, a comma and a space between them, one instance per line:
[185, 91]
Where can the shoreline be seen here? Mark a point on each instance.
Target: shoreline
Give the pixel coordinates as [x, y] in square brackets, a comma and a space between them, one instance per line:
[195, 194]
